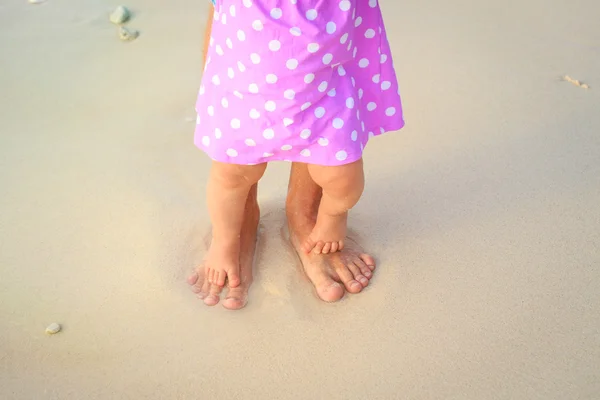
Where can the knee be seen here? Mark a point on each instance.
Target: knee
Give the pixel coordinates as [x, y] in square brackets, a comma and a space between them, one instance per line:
[348, 179]
[236, 176]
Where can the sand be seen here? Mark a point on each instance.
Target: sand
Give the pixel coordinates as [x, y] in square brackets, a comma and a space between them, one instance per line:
[484, 215]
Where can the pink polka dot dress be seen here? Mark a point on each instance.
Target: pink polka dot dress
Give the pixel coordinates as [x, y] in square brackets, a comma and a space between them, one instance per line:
[296, 80]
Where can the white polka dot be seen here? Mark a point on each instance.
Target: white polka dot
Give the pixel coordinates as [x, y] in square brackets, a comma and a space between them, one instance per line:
[292, 63]
[371, 106]
[323, 86]
[341, 155]
[232, 153]
[327, 58]
[331, 93]
[360, 93]
[218, 133]
[224, 102]
[376, 78]
[354, 136]
[215, 79]
[248, 3]
[313, 47]
[350, 46]
[293, 1]
[289, 94]
[268, 133]
[373, 3]
[345, 5]
[274, 45]
[295, 31]
[241, 35]
[338, 123]
[210, 110]
[331, 27]
[350, 102]
[383, 58]
[211, 41]
[276, 13]
[362, 125]
[309, 78]
[235, 123]
[254, 114]
[229, 43]
[257, 25]
[353, 81]
[202, 89]
[357, 22]
[287, 122]
[255, 58]
[219, 50]
[270, 105]
[319, 112]
[371, 134]
[311, 14]
[305, 134]
[286, 147]
[344, 38]
[232, 10]
[230, 73]
[224, 19]
[241, 66]
[385, 85]
[206, 141]
[381, 130]
[323, 141]
[370, 33]
[271, 78]
[198, 119]
[305, 153]
[253, 88]
[341, 71]
[238, 95]
[363, 63]
[390, 111]
[305, 105]
[354, 52]
[250, 142]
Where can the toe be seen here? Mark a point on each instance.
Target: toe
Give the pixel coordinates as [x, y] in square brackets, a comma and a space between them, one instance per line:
[220, 278]
[368, 260]
[213, 296]
[334, 247]
[364, 269]
[308, 245]
[358, 276]
[198, 283]
[340, 245]
[352, 285]
[319, 248]
[326, 248]
[236, 298]
[330, 290]
[233, 278]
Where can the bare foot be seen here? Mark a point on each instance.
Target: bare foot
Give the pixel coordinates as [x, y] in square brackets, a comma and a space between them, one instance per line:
[349, 268]
[237, 297]
[328, 234]
[222, 263]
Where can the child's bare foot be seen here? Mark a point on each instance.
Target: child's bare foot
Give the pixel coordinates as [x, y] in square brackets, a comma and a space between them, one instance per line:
[328, 234]
[222, 263]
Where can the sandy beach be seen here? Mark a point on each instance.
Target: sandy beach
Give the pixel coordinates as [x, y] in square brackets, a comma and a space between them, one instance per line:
[483, 214]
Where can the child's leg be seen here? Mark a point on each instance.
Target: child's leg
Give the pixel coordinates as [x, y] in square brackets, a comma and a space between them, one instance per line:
[342, 187]
[227, 192]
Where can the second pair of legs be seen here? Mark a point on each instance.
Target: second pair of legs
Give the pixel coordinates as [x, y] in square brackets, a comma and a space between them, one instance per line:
[228, 188]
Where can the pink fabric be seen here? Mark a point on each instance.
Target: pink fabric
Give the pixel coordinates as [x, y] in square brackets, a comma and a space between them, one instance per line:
[297, 80]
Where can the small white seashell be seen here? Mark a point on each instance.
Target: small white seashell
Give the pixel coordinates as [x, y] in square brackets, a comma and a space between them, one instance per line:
[127, 35]
[53, 328]
[120, 15]
[36, 1]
